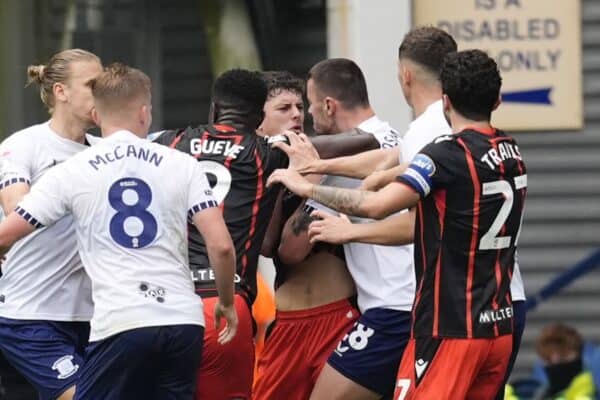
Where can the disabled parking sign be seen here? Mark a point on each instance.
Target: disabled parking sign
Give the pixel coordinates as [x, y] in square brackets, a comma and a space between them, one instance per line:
[537, 46]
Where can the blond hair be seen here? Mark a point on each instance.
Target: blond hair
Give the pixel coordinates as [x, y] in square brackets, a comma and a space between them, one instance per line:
[57, 70]
[118, 86]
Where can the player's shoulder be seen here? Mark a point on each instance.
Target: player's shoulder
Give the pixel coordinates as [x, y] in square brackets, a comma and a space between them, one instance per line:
[29, 135]
[444, 147]
[165, 137]
[443, 142]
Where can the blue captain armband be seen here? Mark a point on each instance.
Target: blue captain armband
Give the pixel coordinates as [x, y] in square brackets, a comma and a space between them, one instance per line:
[418, 174]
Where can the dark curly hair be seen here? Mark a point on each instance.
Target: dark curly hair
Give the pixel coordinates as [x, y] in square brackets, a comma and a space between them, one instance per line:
[427, 46]
[278, 81]
[241, 89]
[472, 81]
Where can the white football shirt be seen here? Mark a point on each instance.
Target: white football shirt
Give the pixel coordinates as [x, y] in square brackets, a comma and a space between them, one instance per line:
[384, 275]
[130, 200]
[43, 278]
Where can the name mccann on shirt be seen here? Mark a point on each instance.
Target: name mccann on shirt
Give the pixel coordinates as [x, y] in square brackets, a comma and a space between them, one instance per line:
[505, 151]
[130, 151]
[224, 147]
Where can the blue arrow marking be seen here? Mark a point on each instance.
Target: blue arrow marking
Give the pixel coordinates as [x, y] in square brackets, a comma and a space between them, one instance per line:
[533, 96]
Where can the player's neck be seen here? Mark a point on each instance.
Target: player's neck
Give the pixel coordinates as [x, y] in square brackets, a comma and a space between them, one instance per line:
[350, 119]
[234, 119]
[108, 129]
[68, 127]
[424, 96]
[460, 123]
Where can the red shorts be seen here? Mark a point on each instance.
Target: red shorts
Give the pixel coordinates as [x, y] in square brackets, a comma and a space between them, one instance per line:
[453, 368]
[226, 370]
[297, 349]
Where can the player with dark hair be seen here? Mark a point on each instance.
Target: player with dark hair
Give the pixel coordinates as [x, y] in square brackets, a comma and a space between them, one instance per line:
[237, 162]
[469, 189]
[284, 103]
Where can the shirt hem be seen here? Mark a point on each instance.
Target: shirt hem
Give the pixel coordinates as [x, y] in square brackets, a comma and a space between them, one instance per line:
[46, 317]
[97, 336]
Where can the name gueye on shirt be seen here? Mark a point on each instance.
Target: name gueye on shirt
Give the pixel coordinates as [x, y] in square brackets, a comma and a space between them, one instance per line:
[237, 164]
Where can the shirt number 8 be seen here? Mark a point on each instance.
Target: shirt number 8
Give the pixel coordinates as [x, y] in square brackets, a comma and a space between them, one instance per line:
[127, 206]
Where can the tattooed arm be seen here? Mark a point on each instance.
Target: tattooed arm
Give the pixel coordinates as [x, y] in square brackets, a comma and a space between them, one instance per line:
[393, 197]
[295, 245]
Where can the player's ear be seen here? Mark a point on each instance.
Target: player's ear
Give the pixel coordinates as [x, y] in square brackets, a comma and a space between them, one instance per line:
[405, 75]
[446, 103]
[95, 116]
[147, 115]
[59, 91]
[329, 105]
[497, 103]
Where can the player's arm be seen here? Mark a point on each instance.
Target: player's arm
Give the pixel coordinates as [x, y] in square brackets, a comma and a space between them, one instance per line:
[274, 229]
[344, 144]
[359, 165]
[314, 155]
[15, 172]
[208, 219]
[394, 230]
[13, 228]
[221, 255]
[392, 198]
[422, 175]
[11, 195]
[44, 204]
[378, 179]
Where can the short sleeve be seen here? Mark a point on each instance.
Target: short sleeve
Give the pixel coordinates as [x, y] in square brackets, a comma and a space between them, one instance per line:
[275, 158]
[387, 139]
[16, 157]
[48, 200]
[435, 166]
[200, 195]
[166, 138]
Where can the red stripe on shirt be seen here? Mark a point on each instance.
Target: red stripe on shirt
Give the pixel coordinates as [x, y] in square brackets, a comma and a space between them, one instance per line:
[474, 235]
[440, 204]
[255, 208]
[422, 244]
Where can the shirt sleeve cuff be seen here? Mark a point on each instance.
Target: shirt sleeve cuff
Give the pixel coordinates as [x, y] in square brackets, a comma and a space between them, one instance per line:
[12, 181]
[202, 206]
[29, 218]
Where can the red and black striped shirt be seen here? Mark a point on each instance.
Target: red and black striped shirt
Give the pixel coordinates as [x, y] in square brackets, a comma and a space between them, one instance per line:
[237, 165]
[473, 186]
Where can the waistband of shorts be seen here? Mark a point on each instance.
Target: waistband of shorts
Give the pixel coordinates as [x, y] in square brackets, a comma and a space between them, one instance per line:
[315, 312]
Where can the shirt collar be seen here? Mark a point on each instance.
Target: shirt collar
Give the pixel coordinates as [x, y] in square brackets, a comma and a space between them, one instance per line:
[370, 125]
[434, 110]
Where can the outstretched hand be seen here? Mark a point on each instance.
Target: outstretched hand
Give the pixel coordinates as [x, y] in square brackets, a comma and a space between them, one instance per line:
[301, 152]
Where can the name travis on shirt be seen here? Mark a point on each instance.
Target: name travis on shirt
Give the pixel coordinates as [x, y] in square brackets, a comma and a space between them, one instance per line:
[494, 157]
[224, 147]
[131, 151]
